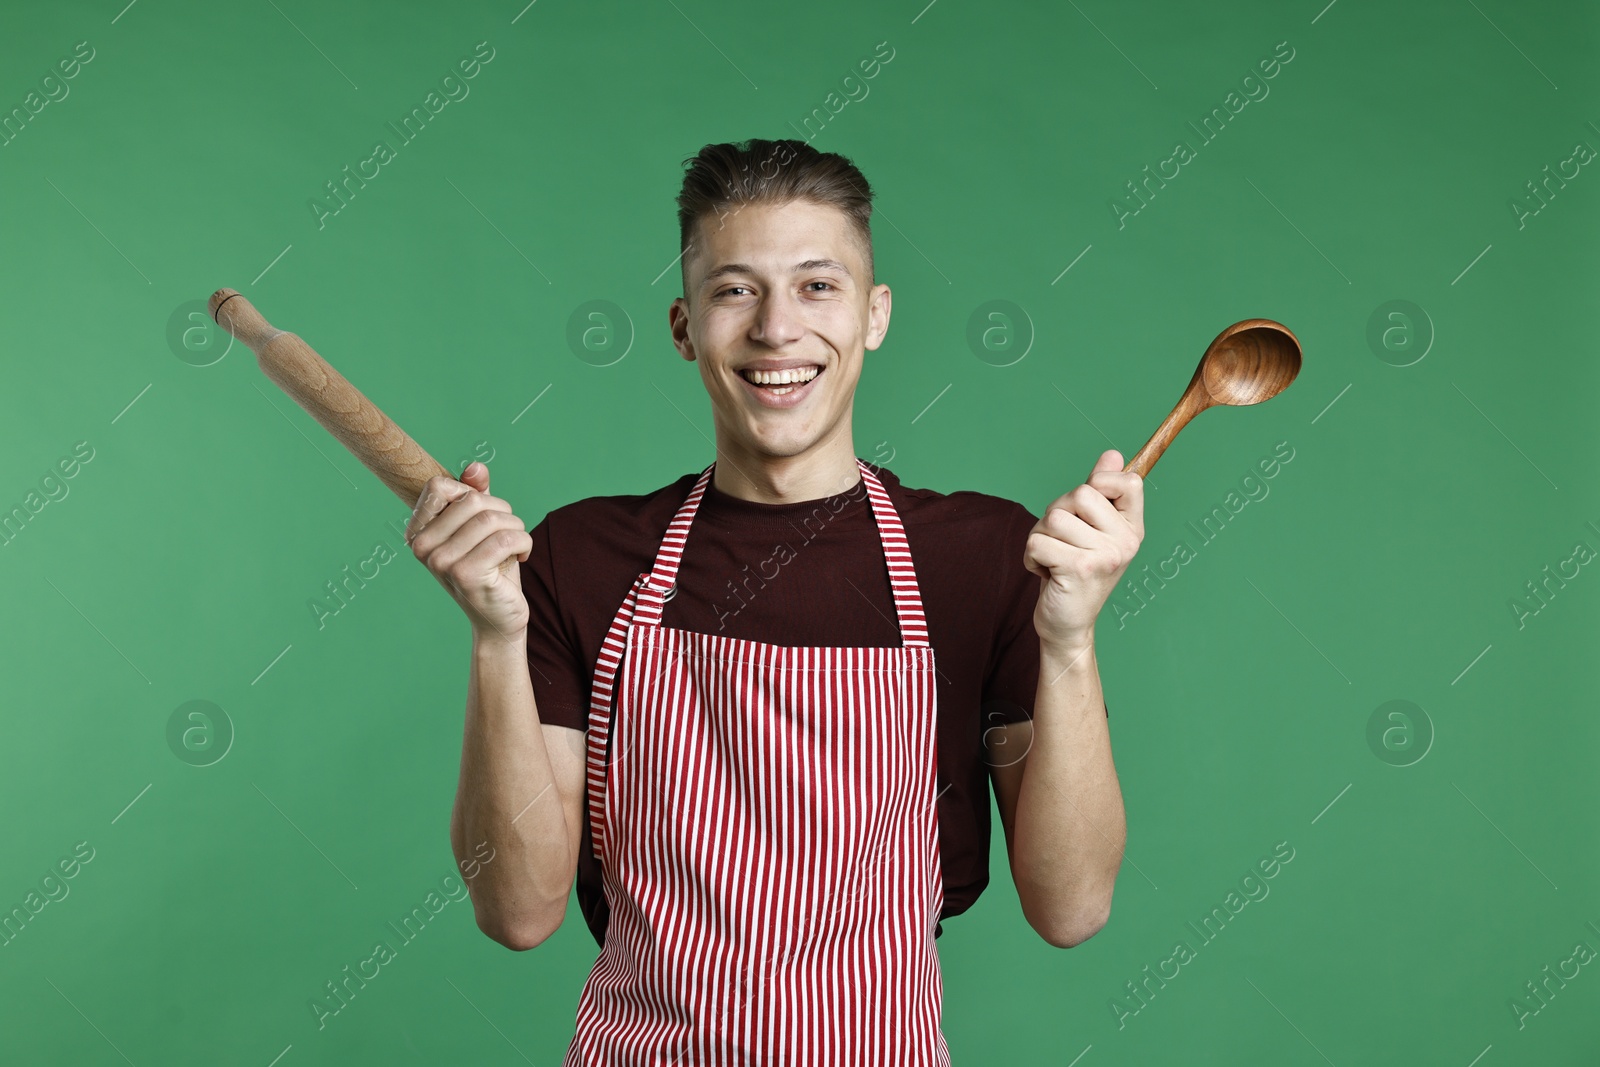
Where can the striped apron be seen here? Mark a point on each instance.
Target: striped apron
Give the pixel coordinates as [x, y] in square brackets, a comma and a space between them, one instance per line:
[765, 820]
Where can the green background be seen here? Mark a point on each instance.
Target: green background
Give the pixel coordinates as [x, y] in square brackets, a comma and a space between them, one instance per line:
[1382, 565]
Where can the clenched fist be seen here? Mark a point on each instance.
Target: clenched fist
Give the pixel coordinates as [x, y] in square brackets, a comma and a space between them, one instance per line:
[1080, 549]
[472, 542]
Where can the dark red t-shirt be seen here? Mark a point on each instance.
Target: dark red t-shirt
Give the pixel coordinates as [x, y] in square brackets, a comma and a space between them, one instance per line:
[805, 574]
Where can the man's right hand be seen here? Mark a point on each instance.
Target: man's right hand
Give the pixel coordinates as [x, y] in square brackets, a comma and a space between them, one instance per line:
[472, 542]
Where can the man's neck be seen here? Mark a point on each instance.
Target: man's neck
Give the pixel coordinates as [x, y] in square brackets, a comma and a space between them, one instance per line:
[824, 471]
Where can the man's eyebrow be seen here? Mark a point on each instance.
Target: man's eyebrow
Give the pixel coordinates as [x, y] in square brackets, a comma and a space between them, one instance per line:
[810, 264]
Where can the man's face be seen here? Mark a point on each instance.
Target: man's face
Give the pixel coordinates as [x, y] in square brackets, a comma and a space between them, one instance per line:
[781, 289]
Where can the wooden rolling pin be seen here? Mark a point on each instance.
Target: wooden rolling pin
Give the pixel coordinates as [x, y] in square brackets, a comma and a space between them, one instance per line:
[369, 434]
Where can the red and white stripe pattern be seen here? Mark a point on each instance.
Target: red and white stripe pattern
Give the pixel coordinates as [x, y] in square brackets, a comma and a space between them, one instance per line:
[768, 834]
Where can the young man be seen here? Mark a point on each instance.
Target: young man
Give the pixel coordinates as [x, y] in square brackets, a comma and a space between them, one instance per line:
[757, 712]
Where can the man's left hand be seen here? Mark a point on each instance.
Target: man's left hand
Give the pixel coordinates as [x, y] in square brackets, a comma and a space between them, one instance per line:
[1080, 549]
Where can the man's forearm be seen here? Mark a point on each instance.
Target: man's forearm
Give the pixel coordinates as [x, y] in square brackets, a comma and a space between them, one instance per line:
[1070, 825]
[507, 806]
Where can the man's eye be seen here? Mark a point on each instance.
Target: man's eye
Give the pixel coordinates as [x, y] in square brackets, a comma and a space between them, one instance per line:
[828, 284]
[730, 289]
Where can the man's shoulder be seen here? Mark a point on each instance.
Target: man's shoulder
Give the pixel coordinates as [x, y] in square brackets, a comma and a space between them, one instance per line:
[961, 507]
[623, 507]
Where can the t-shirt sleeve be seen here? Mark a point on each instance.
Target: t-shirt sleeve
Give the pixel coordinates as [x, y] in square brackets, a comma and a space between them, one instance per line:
[1012, 681]
[560, 680]
[1012, 684]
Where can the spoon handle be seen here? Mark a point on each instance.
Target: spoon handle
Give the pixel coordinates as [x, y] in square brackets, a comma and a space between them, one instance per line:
[1192, 403]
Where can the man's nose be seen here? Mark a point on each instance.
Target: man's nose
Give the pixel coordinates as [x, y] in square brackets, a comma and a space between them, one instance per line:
[777, 320]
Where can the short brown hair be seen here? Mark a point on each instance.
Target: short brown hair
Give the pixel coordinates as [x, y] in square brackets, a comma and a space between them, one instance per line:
[728, 176]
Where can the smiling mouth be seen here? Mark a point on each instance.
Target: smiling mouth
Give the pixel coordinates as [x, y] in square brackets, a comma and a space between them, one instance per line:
[780, 383]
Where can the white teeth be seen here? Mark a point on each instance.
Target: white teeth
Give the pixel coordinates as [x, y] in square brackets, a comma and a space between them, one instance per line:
[781, 377]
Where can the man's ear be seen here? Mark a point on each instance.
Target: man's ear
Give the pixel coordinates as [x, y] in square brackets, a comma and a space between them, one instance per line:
[881, 302]
[678, 323]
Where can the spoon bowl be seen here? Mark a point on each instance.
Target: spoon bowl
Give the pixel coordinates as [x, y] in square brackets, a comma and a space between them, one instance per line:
[1251, 361]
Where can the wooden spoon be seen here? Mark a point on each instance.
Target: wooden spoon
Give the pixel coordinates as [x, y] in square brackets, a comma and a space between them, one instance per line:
[1250, 361]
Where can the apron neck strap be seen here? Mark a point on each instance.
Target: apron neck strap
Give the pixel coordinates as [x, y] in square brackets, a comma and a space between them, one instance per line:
[658, 586]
